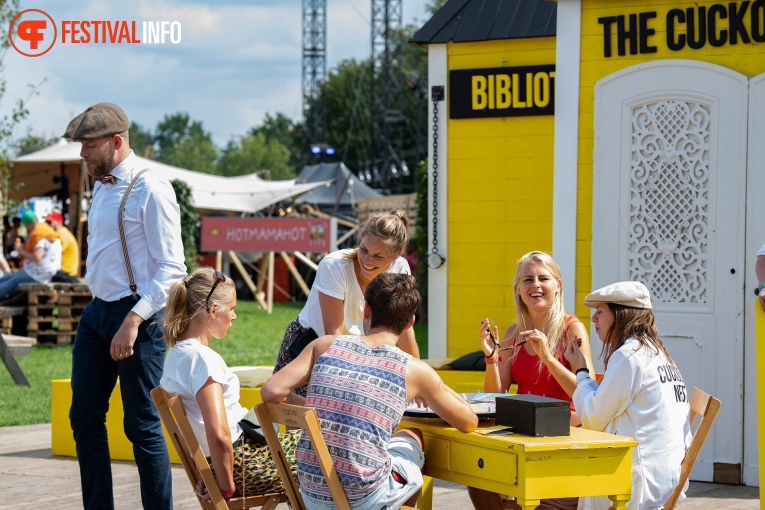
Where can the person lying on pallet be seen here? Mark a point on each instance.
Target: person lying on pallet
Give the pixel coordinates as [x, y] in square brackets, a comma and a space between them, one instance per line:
[201, 307]
[360, 387]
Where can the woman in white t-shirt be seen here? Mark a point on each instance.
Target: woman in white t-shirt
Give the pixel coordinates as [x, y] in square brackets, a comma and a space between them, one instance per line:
[642, 394]
[335, 303]
[201, 307]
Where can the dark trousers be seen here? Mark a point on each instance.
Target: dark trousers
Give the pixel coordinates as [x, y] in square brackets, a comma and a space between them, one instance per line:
[94, 375]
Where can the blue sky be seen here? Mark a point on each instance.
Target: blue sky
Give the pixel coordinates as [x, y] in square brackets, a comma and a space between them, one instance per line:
[237, 61]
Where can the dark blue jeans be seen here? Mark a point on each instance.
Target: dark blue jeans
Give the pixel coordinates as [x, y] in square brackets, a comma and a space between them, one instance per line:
[94, 375]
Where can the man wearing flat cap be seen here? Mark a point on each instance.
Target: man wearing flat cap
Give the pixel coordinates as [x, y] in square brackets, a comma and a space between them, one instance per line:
[133, 259]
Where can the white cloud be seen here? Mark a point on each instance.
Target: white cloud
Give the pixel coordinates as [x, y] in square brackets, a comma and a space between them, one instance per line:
[237, 61]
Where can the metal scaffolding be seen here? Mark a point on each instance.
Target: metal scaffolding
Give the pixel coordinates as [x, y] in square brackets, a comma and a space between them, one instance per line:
[387, 98]
[314, 70]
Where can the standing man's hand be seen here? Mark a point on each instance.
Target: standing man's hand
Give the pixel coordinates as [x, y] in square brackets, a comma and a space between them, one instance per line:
[122, 343]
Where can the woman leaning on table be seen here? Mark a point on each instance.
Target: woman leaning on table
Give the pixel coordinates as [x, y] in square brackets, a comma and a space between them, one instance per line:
[335, 303]
[538, 289]
[199, 308]
[642, 394]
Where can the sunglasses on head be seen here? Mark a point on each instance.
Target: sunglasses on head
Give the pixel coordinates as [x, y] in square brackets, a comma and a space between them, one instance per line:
[219, 277]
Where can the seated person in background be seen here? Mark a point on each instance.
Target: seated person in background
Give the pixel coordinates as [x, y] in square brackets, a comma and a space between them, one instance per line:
[70, 250]
[41, 256]
[360, 387]
[642, 394]
[201, 307]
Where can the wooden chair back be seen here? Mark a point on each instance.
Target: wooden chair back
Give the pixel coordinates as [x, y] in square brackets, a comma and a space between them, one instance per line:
[705, 406]
[304, 418]
[173, 415]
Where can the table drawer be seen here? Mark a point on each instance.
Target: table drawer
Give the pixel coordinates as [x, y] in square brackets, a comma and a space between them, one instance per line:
[437, 453]
[484, 463]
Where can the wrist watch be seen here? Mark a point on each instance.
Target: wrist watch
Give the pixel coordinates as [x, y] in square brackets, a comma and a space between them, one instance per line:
[582, 375]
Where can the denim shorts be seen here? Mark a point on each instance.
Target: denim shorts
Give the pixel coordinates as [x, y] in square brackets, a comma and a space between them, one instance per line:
[407, 459]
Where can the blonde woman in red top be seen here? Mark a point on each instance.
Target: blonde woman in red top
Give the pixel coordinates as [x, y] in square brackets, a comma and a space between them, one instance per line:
[538, 287]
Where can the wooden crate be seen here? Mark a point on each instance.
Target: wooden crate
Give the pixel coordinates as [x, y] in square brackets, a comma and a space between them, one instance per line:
[7, 313]
[55, 309]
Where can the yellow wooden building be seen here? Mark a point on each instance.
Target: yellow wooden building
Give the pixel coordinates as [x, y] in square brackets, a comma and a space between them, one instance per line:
[625, 138]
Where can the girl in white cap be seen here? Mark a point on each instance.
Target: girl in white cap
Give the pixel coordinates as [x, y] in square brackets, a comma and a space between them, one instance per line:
[642, 394]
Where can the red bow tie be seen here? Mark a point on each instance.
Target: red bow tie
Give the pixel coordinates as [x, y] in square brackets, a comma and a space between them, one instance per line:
[106, 179]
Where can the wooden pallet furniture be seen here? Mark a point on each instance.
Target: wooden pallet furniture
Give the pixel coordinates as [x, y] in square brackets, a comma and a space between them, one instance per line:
[7, 313]
[55, 309]
[10, 347]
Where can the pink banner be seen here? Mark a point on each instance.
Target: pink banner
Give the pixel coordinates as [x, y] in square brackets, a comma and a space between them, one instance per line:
[266, 234]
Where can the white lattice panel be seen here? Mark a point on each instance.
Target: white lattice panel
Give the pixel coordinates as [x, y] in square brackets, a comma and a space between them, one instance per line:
[669, 198]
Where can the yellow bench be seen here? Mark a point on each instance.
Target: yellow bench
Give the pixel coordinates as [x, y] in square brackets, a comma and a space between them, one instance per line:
[120, 448]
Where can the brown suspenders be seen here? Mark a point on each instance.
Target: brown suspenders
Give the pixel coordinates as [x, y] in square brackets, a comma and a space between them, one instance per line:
[133, 286]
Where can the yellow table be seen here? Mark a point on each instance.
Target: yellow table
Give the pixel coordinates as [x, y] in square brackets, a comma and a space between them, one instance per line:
[586, 463]
[120, 447]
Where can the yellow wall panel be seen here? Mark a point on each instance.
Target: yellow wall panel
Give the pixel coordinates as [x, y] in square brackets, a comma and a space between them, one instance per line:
[465, 169]
[499, 195]
[472, 128]
[476, 210]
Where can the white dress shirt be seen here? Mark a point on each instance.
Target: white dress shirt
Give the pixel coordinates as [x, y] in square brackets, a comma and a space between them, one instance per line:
[153, 232]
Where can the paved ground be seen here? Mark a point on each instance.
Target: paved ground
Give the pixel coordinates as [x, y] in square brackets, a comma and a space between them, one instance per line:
[32, 478]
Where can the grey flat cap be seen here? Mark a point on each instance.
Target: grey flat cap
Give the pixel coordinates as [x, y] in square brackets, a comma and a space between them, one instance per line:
[632, 294]
[102, 119]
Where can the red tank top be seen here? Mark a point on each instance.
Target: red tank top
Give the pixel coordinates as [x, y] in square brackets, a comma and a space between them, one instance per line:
[526, 373]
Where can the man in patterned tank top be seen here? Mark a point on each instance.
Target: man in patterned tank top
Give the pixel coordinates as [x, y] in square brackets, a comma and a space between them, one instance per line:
[360, 386]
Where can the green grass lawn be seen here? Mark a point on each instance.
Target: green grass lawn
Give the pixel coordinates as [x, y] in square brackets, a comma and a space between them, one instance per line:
[253, 340]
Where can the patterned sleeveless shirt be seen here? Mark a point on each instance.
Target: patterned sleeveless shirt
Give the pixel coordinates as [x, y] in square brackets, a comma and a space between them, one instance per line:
[359, 393]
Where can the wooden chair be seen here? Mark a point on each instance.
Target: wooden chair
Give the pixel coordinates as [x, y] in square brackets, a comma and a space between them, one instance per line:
[304, 418]
[706, 406]
[195, 464]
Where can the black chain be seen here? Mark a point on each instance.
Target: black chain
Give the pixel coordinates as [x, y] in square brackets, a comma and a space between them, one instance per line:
[434, 249]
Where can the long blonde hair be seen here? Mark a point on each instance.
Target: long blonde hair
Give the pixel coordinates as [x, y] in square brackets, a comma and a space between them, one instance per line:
[392, 227]
[555, 321]
[188, 298]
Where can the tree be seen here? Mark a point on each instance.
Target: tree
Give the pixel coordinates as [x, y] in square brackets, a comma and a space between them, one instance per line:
[434, 5]
[184, 143]
[31, 143]
[18, 112]
[346, 93]
[287, 132]
[254, 154]
[189, 224]
[347, 96]
[141, 140]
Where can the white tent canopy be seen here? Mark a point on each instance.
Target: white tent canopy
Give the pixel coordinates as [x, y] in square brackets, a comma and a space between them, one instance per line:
[248, 193]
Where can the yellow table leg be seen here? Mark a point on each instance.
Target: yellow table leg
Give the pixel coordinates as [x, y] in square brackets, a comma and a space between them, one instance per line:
[527, 504]
[425, 501]
[619, 501]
